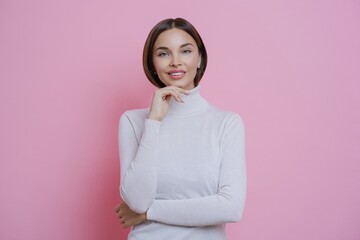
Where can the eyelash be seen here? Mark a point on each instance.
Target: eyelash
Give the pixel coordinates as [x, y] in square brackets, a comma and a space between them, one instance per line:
[162, 54]
[165, 53]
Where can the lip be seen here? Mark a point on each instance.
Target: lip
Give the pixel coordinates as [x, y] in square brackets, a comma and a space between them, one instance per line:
[176, 74]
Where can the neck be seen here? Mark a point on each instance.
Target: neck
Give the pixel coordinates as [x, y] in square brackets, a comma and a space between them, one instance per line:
[193, 103]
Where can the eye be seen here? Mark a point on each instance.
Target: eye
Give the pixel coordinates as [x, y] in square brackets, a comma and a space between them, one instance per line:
[187, 51]
[162, 54]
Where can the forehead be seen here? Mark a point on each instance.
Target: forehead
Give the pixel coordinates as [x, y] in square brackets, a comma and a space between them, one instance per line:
[173, 38]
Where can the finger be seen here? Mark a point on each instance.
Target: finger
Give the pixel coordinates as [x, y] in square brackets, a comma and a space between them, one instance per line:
[178, 98]
[117, 208]
[122, 213]
[133, 221]
[126, 215]
[178, 89]
[170, 92]
[184, 91]
[173, 89]
[124, 207]
[163, 93]
[176, 95]
[124, 226]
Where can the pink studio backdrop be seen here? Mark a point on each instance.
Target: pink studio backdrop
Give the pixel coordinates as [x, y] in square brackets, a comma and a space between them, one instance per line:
[68, 69]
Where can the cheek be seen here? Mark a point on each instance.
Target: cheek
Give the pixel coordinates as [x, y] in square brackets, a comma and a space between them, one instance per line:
[194, 58]
[194, 62]
[155, 62]
[158, 64]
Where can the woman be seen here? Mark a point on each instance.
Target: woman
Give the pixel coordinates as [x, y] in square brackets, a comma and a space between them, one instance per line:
[182, 160]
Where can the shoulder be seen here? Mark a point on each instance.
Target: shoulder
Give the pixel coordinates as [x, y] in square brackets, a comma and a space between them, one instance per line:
[135, 113]
[133, 121]
[134, 116]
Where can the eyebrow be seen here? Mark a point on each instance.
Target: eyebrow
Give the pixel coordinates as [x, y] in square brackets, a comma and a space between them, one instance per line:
[183, 45]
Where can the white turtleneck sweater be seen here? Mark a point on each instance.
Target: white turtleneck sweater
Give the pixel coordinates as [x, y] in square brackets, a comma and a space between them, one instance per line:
[187, 171]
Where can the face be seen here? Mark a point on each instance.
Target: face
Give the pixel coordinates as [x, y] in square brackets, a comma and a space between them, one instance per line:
[176, 58]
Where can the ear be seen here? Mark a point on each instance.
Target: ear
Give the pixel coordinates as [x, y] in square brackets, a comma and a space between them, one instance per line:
[199, 63]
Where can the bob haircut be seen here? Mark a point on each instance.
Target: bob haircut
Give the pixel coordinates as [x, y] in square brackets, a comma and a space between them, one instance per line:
[162, 26]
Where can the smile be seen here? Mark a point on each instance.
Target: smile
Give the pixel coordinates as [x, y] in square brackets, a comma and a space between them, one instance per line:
[176, 74]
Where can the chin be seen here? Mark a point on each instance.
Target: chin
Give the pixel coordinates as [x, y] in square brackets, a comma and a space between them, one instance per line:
[181, 83]
[184, 85]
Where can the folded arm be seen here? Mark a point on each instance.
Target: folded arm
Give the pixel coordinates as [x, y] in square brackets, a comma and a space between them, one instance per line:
[138, 163]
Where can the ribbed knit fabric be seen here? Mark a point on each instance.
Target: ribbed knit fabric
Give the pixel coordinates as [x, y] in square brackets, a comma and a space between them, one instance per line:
[187, 171]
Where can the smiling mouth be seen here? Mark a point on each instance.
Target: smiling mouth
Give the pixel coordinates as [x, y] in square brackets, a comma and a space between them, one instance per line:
[176, 74]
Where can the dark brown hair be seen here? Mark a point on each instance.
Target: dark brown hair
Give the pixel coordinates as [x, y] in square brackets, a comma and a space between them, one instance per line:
[162, 26]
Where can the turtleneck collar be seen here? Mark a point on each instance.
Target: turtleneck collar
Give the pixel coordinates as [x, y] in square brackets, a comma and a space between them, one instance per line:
[193, 103]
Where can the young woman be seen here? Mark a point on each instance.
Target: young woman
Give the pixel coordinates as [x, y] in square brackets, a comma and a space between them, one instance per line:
[183, 173]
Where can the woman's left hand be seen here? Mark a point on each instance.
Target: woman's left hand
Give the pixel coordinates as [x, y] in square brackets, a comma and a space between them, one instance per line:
[127, 217]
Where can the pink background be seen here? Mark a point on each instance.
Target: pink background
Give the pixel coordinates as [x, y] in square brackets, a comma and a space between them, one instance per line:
[68, 69]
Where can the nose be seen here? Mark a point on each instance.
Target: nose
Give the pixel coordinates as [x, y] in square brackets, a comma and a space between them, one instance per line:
[175, 61]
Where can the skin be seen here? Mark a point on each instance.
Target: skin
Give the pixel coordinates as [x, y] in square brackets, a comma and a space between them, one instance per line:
[127, 217]
[174, 50]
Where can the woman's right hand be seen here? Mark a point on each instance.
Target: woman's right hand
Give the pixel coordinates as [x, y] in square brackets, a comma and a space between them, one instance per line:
[161, 98]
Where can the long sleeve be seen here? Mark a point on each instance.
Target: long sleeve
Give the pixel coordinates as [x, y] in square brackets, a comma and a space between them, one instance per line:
[138, 163]
[225, 206]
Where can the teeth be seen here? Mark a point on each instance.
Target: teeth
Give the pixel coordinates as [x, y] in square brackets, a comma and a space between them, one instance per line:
[176, 73]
